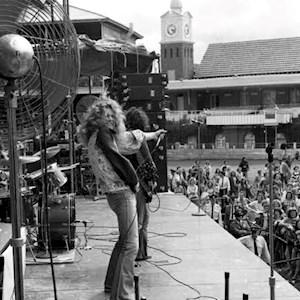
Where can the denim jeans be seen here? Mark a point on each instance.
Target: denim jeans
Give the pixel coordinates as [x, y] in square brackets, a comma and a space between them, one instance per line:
[143, 221]
[120, 272]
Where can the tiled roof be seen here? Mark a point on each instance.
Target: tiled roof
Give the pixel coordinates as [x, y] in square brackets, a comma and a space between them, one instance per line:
[270, 56]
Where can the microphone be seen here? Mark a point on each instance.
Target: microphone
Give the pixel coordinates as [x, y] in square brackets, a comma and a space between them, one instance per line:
[158, 141]
[161, 136]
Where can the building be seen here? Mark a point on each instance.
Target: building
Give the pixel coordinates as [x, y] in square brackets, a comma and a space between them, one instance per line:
[176, 43]
[115, 49]
[246, 93]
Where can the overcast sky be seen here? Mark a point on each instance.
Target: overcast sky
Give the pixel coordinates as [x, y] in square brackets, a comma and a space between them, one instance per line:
[213, 20]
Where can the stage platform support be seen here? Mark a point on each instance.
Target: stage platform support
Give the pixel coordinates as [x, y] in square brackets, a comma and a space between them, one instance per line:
[6, 261]
[190, 256]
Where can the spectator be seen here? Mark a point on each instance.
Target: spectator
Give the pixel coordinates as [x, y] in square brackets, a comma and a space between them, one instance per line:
[224, 184]
[258, 179]
[213, 209]
[193, 193]
[234, 184]
[207, 170]
[239, 227]
[244, 165]
[256, 243]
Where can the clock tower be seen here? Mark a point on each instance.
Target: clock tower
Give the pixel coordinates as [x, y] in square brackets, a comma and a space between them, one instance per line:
[176, 43]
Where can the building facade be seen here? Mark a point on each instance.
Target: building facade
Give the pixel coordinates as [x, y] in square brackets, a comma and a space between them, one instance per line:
[245, 102]
[242, 94]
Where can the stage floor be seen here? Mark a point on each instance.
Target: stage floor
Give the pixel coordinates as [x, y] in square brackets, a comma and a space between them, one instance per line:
[190, 256]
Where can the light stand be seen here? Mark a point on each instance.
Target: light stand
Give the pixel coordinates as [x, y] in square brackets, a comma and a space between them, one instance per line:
[14, 189]
[16, 59]
[269, 150]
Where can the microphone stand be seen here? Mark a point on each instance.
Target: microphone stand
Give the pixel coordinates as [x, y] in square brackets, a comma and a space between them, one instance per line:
[14, 189]
[269, 150]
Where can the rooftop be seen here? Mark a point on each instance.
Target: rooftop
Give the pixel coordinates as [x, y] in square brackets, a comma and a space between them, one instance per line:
[257, 57]
[78, 14]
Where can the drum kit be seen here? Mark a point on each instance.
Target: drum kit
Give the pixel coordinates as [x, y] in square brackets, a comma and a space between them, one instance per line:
[61, 207]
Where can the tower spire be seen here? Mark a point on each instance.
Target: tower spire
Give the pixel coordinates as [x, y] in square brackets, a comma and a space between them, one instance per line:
[176, 6]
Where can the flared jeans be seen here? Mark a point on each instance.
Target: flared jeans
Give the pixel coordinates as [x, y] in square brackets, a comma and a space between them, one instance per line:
[120, 273]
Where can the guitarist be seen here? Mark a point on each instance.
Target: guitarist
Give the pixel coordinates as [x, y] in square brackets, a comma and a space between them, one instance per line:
[147, 174]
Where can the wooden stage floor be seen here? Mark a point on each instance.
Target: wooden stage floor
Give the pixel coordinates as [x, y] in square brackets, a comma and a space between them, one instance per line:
[190, 256]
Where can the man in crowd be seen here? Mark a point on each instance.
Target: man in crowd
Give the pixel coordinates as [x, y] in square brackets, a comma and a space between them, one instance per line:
[256, 243]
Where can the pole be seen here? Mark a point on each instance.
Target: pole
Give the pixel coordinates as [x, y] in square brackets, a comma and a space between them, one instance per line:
[265, 136]
[275, 129]
[136, 287]
[226, 296]
[199, 141]
[71, 141]
[14, 189]
[269, 150]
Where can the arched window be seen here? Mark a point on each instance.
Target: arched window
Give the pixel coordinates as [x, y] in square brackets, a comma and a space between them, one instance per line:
[249, 141]
[166, 52]
[220, 141]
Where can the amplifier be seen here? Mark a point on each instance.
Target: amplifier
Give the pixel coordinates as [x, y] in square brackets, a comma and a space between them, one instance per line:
[154, 93]
[151, 79]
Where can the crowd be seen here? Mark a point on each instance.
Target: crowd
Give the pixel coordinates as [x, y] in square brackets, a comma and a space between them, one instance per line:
[242, 206]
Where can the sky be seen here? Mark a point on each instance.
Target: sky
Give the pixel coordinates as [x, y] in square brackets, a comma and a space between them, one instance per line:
[214, 21]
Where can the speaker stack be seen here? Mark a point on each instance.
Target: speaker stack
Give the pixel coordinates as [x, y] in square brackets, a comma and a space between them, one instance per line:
[148, 92]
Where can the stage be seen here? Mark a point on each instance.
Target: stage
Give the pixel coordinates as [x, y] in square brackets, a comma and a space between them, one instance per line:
[190, 255]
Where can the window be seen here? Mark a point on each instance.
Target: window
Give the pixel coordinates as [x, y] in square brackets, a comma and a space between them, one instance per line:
[171, 52]
[220, 141]
[166, 52]
[249, 141]
[280, 139]
[269, 97]
[295, 96]
[214, 100]
[282, 96]
[184, 52]
[177, 52]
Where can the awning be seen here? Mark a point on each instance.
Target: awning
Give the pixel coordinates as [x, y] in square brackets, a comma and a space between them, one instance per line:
[105, 56]
[235, 82]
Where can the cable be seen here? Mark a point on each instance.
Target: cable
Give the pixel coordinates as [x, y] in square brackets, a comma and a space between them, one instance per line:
[179, 260]
[158, 206]
[169, 234]
[182, 283]
[44, 169]
[178, 210]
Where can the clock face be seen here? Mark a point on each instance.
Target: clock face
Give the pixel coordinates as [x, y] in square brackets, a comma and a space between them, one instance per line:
[186, 30]
[171, 29]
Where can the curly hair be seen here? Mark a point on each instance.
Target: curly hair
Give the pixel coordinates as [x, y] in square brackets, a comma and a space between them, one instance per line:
[136, 118]
[95, 118]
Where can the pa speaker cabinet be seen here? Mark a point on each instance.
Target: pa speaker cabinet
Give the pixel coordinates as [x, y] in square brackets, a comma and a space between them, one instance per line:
[151, 79]
[153, 93]
[159, 150]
